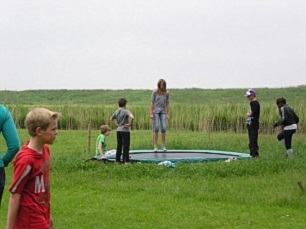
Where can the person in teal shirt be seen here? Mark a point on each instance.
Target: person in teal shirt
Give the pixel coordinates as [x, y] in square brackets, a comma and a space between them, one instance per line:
[101, 143]
[9, 132]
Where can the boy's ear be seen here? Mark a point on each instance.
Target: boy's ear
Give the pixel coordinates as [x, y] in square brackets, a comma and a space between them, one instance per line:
[38, 131]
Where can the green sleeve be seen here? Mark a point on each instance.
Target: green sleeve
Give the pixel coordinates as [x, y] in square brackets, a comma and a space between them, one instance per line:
[10, 135]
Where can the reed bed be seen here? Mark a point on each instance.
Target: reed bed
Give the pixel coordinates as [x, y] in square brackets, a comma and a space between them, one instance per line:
[184, 117]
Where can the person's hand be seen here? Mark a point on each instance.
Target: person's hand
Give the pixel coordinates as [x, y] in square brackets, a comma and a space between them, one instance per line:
[249, 120]
[275, 125]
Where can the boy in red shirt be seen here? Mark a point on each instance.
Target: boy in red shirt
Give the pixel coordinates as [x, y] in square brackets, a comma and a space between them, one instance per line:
[29, 204]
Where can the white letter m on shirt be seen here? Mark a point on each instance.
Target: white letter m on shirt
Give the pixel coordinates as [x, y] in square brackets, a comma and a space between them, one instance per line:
[39, 184]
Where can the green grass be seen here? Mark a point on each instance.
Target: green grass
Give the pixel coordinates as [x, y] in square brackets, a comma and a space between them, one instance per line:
[199, 110]
[294, 96]
[243, 194]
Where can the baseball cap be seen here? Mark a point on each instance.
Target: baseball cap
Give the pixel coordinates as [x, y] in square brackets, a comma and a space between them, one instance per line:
[250, 92]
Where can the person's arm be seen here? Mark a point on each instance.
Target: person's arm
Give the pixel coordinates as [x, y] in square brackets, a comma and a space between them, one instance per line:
[153, 96]
[168, 110]
[168, 105]
[114, 120]
[151, 110]
[249, 113]
[282, 119]
[13, 210]
[131, 118]
[11, 138]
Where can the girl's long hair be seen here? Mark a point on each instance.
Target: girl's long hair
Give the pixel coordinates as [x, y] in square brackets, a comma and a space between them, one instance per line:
[161, 90]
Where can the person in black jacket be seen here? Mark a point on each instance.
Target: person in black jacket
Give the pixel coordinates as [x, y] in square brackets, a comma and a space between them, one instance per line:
[288, 121]
[253, 115]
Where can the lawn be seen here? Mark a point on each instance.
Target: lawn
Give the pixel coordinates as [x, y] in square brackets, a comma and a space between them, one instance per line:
[251, 193]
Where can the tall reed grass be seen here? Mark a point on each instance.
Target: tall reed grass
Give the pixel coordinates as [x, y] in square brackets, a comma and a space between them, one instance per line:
[208, 118]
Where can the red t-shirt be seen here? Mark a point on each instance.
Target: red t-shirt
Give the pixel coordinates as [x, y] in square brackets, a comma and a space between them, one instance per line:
[32, 181]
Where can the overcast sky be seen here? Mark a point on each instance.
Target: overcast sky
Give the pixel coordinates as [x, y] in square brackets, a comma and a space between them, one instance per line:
[119, 44]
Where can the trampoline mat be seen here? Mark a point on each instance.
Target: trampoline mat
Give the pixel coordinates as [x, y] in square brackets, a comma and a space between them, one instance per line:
[184, 155]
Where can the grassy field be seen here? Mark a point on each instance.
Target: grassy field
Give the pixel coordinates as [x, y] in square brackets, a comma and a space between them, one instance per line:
[142, 97]
[260, 193]
[200, 110]
[253, 193]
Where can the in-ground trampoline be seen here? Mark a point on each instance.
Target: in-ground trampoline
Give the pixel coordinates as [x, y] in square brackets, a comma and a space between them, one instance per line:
[146, 156]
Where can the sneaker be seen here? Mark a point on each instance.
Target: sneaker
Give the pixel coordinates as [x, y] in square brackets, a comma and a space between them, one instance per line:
[289, 152]
[155, 149]
[164, 148]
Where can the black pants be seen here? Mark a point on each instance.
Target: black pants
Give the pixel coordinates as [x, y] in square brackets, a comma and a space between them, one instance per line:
[2, 182]
[287, 135]
[123, 144]
[253, 141]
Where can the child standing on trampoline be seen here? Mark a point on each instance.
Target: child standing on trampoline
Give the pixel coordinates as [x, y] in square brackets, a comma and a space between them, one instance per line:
[123, 119]
[159, 112]
[253, 122]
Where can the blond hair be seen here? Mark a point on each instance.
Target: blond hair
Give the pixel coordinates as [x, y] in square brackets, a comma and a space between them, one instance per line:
[40, 117]
[104, 129]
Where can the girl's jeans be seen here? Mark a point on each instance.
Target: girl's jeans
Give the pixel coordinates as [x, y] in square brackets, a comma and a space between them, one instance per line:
[159, 118]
